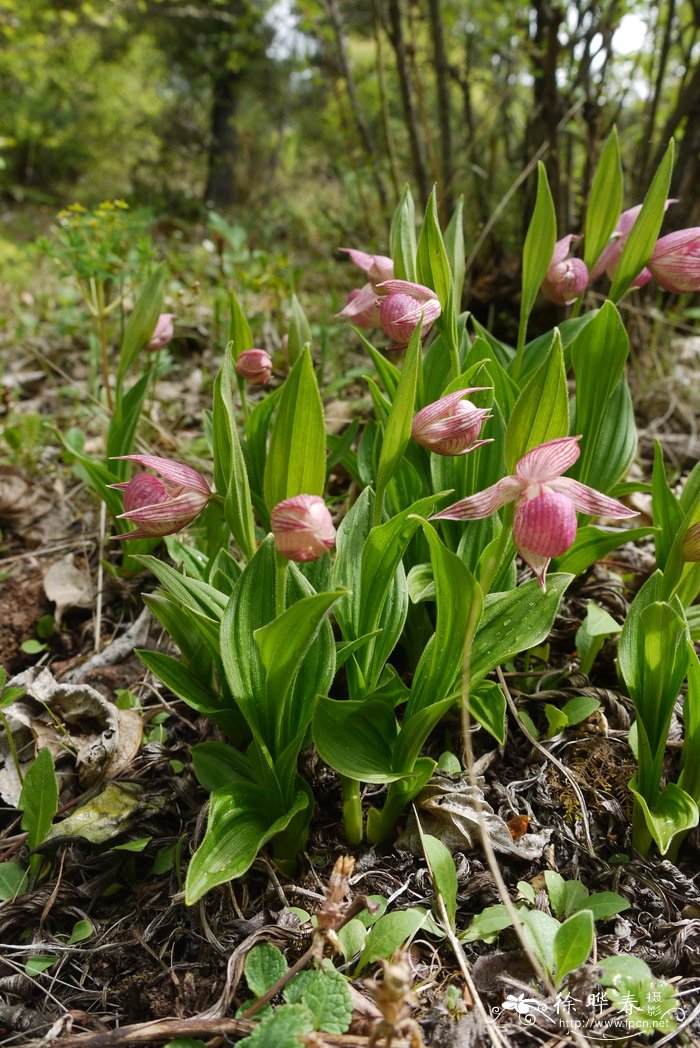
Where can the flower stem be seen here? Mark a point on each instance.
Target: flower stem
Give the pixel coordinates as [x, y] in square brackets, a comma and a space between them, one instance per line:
[352, 810]
[280, 584]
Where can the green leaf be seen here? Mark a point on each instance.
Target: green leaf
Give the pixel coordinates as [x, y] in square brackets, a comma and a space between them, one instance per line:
[541, 930]
[240, 822]
[645, 231]
[541, 411]
[598, 356]
[397, 431]
[230, 471]
[38, 964]
[603, 904]
[181, 681]
[515, 621]
[666, 509]
[487, 704]
[443, 872]
[121, 433]
[578, 709]
[13, 881]
[454, 247]
[264, 966]
[296, 460]
[282, 1028]
[556, 890]
[539, 244]
[556, 720]
[673, 812]
[432, 262]
[82, 930]
[239, 333]
[573, 943]
[591, 544]
[352, 937]
[487, 924]
[216, 764]
[142, 322]
[604, 200]
[390, 933]
[38, 800]
[299, 333]
[355, 737]
[591, 634]
[326, 994]
[402, 237]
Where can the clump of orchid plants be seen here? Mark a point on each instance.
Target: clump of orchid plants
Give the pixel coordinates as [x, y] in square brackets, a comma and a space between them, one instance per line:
[467, 479]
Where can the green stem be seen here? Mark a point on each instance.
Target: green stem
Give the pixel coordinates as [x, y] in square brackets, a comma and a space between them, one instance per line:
[641, 838]
[352, 810]
[382, 823]
[244, 400]
[102, 337]
[519, 349]
[578, 304]
[280, 584]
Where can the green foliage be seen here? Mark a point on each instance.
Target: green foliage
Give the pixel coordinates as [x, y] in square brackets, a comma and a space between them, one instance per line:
[648, 1004]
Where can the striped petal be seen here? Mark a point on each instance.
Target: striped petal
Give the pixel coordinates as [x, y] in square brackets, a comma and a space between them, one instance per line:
[548, 460]
[484, 503]
[588, 500]
[175, 472]
[419, 292]
[361, 259]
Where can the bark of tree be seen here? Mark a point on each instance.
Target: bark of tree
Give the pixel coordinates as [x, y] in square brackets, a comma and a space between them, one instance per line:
[443, 102]
[642, 166]
[223, 143]
[398, 42]
[547, 103]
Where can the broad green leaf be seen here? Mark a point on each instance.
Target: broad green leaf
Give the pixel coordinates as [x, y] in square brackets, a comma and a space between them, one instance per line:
[541, 412]
[642, 238]
[299, 333]
[239, 333]
[443, 872]
[121, 433]
[230, 471]
[142, 322]
[240, 822]
[539, 246]
[454, 247]
[616, 443]
[390, 933]
[402, 237]
[283, 1027]
[604, 200]
[487, 924]
[673, 812]
[573, 943]
[352, 937]
[111, 812]
[604, 904]
[540, 930]
[397, 431]
[556, 720]
[296, 460]
[487, 704]
[38, 800]
[184, 683]
[598, 355]
[257, 429]
[591, 544]
[264, 966]
[38, 964]
[13, 881]
[216, 765]
[591, 634]
[355, 737]
[689, 779]
[326, 993]
[515, 621]
[81, 931]
[432, 262]
[556, 890]
[457, 595]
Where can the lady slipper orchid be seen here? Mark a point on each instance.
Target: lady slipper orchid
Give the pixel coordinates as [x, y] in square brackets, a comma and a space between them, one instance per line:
[163, 332]
[544, 524]
[451, 425]
[302, 528]
[400, 311]
[609, 259]
[566, 278]
[255, 366]
[362, 306]
[165, 504]
[675, 263]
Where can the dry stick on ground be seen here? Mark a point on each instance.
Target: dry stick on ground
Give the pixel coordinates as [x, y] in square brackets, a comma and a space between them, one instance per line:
[550, 757]
[169, 1029]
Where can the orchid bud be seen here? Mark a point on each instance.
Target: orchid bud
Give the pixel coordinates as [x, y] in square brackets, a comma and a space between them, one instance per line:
[566, 278]
[163, 332]
[401, 310]
[545, 524]
[362, 307]
[255, 366]
[302, 528]
[377, 267]
[675, 263]
[165, 504]
[451, 425]
[691, 544]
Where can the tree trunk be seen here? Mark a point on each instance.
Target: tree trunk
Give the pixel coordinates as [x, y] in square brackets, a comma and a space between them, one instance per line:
[547, 105]
[443, 102]
[220, 190]
[398, 43]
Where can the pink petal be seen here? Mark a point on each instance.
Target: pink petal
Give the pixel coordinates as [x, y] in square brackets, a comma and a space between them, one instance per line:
[538, 564]
[175, 472]
[484, 503]
[588, 500]
[443, 407]
[363, 308]
[562, 248]
[178, 511]
[675, 263]
[361, 259]
[406, 287]
[545, 524]
[548, 460]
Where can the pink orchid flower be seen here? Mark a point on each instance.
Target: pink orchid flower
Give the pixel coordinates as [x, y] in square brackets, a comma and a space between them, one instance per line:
[675, 263]
[610, 257]
[163, 332]
[161, 505]
[302, 527]
[401, 310]
[566, 278]
[255, 366]
[544, 525]
[362, 306]
[451, 425]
